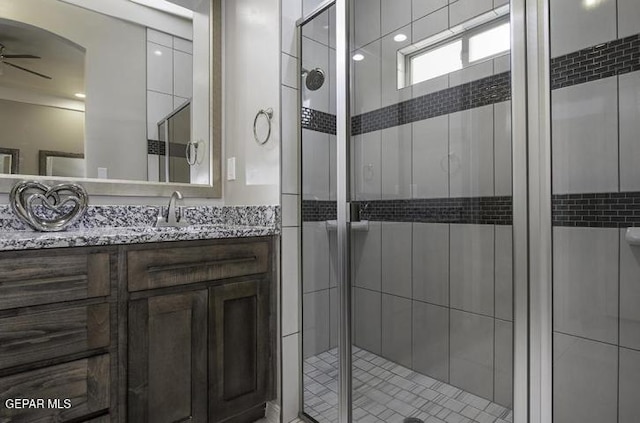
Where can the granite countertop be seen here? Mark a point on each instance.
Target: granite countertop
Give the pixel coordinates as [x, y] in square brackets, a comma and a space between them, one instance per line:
[94, 230]
[24, 240]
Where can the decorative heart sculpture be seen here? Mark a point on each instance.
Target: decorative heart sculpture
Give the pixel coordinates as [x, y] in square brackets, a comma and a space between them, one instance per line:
[48, 209]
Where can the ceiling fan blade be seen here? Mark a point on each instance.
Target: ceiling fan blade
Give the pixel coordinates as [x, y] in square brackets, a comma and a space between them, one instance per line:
[21, 56]
[28, 70]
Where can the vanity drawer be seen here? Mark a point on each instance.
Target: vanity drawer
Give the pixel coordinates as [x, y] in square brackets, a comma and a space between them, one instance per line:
[159, 268]
[85, 383]
[45, 277]
[31, 337]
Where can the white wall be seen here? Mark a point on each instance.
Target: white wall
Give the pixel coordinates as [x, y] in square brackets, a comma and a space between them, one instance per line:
[251, 83]
[132, 12]
[18, 131]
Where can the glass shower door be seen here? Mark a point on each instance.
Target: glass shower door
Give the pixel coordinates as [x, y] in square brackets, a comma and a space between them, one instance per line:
[431, 163]
[318, 163]
[430, 191]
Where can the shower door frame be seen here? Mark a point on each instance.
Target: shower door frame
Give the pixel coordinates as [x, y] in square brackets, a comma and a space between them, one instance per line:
[531, 202]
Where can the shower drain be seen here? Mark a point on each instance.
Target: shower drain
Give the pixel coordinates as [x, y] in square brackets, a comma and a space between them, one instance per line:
[412, 420]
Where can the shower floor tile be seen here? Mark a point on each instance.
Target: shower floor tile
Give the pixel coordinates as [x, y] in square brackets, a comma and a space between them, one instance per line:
[386, 392]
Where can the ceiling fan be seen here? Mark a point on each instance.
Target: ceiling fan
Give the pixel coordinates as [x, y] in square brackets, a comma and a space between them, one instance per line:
[4, 56]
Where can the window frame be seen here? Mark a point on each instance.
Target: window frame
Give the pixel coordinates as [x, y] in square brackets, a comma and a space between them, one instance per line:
[464, 36]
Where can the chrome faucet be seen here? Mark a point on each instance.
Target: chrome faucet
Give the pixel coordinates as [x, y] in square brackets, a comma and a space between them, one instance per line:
[173, 215]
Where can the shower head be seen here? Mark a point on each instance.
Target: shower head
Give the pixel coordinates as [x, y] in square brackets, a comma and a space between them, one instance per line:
[313, 78]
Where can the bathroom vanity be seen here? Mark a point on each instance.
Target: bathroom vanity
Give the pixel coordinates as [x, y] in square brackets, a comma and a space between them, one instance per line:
[138, 332]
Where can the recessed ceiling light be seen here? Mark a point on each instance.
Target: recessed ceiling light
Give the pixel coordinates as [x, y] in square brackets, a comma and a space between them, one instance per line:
[358, 57]
[590, 4]
[399, 38]
[157, 53]
[80, 95]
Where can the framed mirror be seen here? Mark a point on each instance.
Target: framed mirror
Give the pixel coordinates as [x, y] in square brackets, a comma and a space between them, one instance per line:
[9, 161]
[122, 96]
[60, 163]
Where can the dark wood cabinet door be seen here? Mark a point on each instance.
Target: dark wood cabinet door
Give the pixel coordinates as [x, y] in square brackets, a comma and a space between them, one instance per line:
[240, 348]
[168, 358]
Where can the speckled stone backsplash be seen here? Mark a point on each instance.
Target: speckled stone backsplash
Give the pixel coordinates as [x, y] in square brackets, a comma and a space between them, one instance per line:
[134, 216]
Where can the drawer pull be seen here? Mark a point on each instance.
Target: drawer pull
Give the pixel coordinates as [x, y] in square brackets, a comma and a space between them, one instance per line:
[152, 269]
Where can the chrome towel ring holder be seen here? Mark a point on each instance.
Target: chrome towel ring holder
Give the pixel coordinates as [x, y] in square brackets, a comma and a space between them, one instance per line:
[268, 113]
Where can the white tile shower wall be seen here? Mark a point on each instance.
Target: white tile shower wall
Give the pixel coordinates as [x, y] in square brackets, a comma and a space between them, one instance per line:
[472, 356]
[628, 18]
[430, 340]
[316, 322]
[629, 294]
[431, 263]
[424, 7]
[471, 153]
[629, 386]
[629, 95]
[576, 24]
[396, 166]
[396, 259]
[315, 165]
[584, 380]
[585, 275]
[472, 268]
[584, 134]
[430, 158]
[396, 329]
[595, 276]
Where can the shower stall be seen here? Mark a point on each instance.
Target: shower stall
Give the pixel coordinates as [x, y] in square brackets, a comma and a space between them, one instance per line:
[470, 191]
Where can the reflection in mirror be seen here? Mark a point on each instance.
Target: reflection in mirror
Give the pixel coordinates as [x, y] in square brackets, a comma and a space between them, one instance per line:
[9, 160]
[96, 80]
[59, 163]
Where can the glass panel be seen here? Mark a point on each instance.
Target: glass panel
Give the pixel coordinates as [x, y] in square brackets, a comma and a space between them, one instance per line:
[320, 296]
[436, 62]
[432, 255]
[490, 42]
[595, 87]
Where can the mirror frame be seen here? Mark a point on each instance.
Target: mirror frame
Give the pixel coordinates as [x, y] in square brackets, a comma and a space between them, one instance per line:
[116, 187]
[44, 154]
[15, 159]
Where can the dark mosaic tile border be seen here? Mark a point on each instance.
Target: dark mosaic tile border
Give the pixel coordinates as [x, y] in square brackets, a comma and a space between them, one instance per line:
[480, 210]
[616, 57]
[160, 148]
[156, 147]
[316, 211]
[316, 120]
[600, 210]
[485, 91]
[603, 210]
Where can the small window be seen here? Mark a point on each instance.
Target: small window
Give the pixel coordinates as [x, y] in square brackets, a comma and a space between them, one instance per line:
[454, 49]
[490, 42]
[436, 62]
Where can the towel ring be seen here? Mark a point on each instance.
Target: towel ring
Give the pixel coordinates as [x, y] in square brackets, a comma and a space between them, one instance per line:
[268, 113]
[192, 159]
